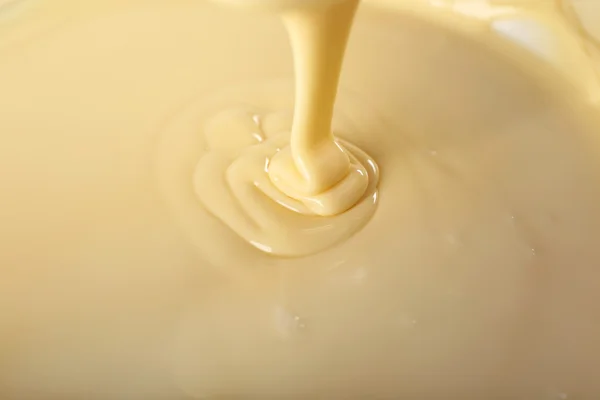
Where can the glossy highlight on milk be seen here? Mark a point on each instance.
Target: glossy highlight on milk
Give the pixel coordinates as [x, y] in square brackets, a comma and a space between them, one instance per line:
[328, 190]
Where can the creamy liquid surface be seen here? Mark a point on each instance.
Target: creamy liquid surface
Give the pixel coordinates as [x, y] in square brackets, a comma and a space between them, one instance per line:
[299, 192]
[477, 276]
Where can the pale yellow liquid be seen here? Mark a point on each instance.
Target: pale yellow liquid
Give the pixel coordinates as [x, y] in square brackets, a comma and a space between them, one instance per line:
[290, 188]
[476, 278]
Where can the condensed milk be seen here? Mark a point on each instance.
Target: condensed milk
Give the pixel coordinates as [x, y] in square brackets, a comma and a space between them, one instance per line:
[193, 208]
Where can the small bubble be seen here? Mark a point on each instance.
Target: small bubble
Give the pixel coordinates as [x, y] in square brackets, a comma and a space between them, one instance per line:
[433, 153]
[533, 252]
[257, 137]
[553, 394]
[288, 323]
[558, 396]
[407, 322]
[257, 120]
[299, 323]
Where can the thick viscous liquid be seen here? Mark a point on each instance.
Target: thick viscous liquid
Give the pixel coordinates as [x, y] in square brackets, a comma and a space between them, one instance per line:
[477, 275]
[289, 188]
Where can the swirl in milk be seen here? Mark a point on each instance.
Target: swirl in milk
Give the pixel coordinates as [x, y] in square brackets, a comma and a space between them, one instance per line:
[299, 193]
